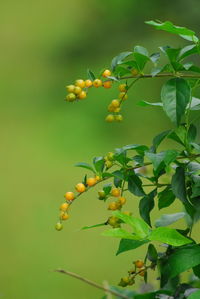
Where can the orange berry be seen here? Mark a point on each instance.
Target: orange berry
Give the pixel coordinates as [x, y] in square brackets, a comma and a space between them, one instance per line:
[123, 96]
[122, 200]
[115, 103]
[113, 206]
[110, 118]
[80, 187]
[80, 83]
[97, 83]
[139, 264]
[82, 95]
[69, 196]
[64, 216]
[123, 87]
[106, 73]
[71, 97]
[70, 88]
[64, 207]
[107, 84]
[88, 83]
[77, 90]
[58, 226]
[115, 192]
[142, 273]
[91, 181]
[118, 117]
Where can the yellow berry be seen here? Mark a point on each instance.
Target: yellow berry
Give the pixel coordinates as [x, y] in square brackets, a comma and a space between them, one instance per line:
[64, 216]
[113, 206]
[108, 164]
[115, 192]
[115, 103]
[110, 156]
[118, 117]
[97, 83]
[97, 177]
[110, 118]
[71, 97]
[77, 90]
[88, 83]
[82, 95]
[106, 73]
[69, 196]
[122, 200]
[107, 84]
[139, 264]
[91, 181]
[70, 88]
[113, 221]
[58, 226]
[64, 207]
[134, 72]
[80, 83]
[80, 187]
[123, 87]
[117, 109]
[111, 108]
[123, 96]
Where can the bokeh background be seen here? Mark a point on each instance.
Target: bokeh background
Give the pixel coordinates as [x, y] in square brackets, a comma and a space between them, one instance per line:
[44, 46]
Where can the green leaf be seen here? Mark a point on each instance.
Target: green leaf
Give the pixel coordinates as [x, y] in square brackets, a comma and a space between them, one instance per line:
[167, 219]
[107, 188]
[195, 104]
[85, 165]
[196, 146]
[187, 51]
[99, 164]
[165, 198]
[119, 59]
[152, 254]
[171, 28]
[135, 185]
[162, 159]
[91, 75]
[146, 205]
[182, 260]
[155, 57]
[93, 226]
[169, 236]
[141, 229]
[126, 245]
[141, 57]
[136, 147]
[195, 295]
[145, 103]
[178, 184]
[159, 138]
[120, 233]
[175, 96]
[179, 135]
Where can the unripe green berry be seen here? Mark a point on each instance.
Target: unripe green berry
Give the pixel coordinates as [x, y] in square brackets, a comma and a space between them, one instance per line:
[108, 164]
[110, 156]
[119, 117]
[101, 194]
[71, 97]
[110, 118]
[70, 88]
[58, 226]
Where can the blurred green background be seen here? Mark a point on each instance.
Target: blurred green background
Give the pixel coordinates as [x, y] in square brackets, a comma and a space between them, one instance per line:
[44, 46]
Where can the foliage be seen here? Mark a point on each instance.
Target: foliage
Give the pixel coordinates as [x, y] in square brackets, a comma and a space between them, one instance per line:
[157, 178]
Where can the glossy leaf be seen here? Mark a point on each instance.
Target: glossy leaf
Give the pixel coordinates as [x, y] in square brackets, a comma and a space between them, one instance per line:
[135, 185]
[98, 164]
[175, 96]
[141, 229]
[178, 184]
[120, 233]
[145, 103]
[85, 165]
[182, 260]
[119, 59]
[93, 226]
[126, 245]
[169, 236]
[165, 198]
[146, 205]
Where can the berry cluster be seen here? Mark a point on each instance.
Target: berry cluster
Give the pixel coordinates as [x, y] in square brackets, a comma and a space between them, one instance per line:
[139, 269]
[79, 91]
[71, 196]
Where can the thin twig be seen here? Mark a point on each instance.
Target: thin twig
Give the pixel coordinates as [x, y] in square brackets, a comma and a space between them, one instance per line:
[146, 76]
[92, 283]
